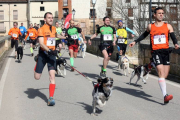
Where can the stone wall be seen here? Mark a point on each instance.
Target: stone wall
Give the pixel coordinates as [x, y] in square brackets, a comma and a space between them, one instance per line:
[5, 43]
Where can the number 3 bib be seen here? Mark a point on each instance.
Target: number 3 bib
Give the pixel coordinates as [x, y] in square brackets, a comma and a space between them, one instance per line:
[51, 41]
[107, 37]
[159, 39]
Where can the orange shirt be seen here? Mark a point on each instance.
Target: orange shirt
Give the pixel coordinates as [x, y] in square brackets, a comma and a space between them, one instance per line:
[14, 32]
[32, 33]
[159, 37]
[49, 34]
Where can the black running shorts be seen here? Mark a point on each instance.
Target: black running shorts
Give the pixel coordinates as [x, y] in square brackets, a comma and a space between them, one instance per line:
[123, 48]
[32, 41]
[43, 59]
[108, 48]
[161, 57]
[14, 43]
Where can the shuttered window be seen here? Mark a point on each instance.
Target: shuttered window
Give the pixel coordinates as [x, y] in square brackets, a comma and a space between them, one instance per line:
[15, 15]
[1, 15]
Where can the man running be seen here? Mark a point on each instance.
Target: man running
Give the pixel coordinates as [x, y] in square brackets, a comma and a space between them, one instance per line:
[35, 26]
[73, 34]
[121, 35]
[108, 39]
[23, 31]
[14, 32]
[32, 33]
[47, 53]
[159, 40]
[58, 40]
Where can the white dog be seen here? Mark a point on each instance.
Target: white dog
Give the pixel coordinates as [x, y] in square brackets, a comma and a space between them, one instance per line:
[125, 64]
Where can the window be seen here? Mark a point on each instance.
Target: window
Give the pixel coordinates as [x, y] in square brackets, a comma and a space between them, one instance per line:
[1, 26]
[41, 8]
[92, 13]
[65, 12]
[15, 5]
[65, 2]
[41, 2]
[1, 5]
[130, 12]
[15, 15]
[108, 12]
[128, 1]
[1, 15]
[109, 3]
[83, 25]
[42, 22]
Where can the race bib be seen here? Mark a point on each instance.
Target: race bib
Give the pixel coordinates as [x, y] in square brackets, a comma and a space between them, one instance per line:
[159, 39]
[107, 37]
[74, 36]
[21, 29]
[51, 41]
[121, 40]
[14, 35]
[30, 34]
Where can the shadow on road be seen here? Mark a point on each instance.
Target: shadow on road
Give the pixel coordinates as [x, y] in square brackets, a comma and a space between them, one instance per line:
[110, 67]
[27, 54]
[10, 56]
[88, 108]
[136, 93]
[91, 75]
[32, 93]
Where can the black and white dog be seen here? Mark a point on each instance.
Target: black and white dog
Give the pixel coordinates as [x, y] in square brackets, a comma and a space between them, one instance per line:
[19, 53]
[142, 71]
[101, 93]
[60, 65]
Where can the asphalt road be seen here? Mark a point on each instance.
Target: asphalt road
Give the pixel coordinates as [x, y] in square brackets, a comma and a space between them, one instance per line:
[25, 98]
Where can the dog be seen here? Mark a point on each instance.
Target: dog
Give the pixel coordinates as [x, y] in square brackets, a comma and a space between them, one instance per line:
[60, 65]
[142, 71]
[19, 53]
[125, 64]
[82, 47]
[101, 93]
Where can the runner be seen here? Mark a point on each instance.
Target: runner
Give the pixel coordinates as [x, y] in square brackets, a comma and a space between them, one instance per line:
[73, 34]
[121, 35]
[32, 33]
[23, 32]
[47, 53]
[35, 26]
[63, 32]
[58, 40]
[14, 32]
[108, 39]
[159, 40]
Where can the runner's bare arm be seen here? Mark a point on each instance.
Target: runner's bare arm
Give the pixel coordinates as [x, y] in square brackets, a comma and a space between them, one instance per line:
[115, 38]
[41, 42]
[94, 36]
[82, 33]
[60, 36]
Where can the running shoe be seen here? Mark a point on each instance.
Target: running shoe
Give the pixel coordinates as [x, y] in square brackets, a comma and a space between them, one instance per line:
[60, 54]
[51, 102]
[167, 98]
[103, 74]
[32, 54]
[36, 58]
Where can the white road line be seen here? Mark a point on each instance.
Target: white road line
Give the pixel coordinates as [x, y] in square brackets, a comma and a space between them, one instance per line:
[3, 78]
[151, 76]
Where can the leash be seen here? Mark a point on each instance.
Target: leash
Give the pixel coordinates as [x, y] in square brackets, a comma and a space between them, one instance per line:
[90, 80]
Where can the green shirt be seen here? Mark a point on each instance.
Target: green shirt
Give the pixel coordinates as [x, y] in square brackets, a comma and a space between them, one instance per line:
[59, 31]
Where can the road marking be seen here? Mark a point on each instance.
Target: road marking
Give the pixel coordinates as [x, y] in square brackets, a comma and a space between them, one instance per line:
[3, 78]
[151, 76]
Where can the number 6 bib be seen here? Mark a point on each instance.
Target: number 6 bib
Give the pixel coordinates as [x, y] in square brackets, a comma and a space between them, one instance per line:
[159, 39]
[51, 41]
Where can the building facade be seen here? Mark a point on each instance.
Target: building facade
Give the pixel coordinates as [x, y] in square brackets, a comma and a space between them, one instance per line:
[39, 7]
[12, 11]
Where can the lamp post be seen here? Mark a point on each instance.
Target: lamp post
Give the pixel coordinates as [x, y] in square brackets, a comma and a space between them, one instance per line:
[73, 12]
[93, 2]
[150, 11]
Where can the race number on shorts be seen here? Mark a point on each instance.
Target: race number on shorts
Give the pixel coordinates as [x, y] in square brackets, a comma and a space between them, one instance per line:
[14, 35]
[74, 36]
[121, 40]
[51, 41]
[159, 39]
[30, 34]
[107, 37]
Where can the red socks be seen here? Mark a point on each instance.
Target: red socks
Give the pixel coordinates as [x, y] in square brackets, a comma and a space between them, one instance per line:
[51, 89]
